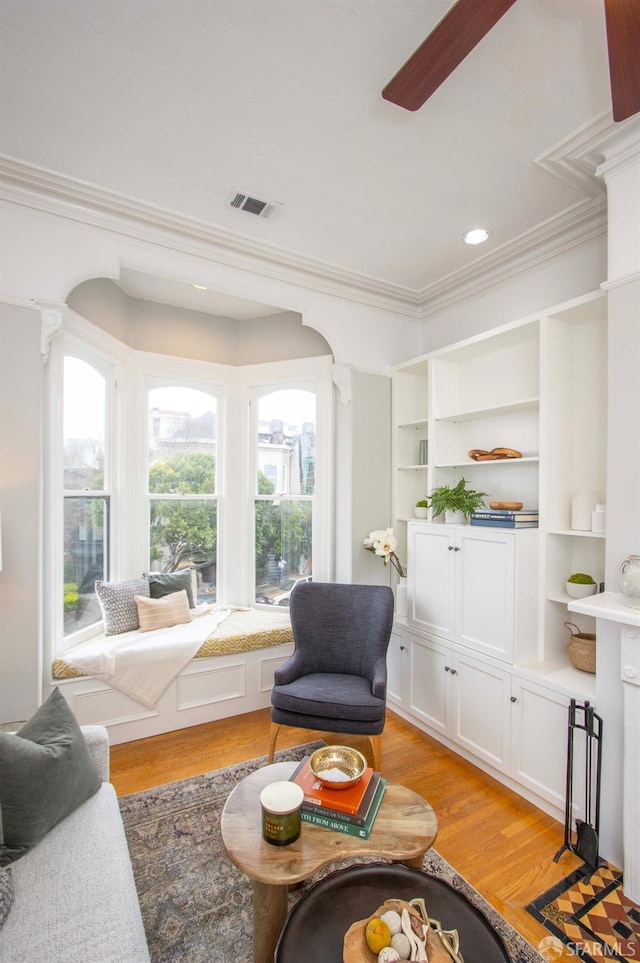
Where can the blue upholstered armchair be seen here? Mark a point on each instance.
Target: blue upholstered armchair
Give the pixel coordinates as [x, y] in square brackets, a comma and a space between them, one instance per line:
[336, 679]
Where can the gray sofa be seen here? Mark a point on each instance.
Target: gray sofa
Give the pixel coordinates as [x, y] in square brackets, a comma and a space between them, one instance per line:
[74, 896]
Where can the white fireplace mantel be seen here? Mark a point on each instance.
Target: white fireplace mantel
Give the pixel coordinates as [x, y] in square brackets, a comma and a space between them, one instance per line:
[610, 606]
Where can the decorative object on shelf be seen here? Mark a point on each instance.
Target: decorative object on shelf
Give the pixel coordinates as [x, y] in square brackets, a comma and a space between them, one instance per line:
[423, 452]
[599, 519]
[582, 648]
[457, 499]
[383, 542]
[479, 454]
[579, 585]
[583, 505]
[506, 506]
[421, 508]
[629, 583]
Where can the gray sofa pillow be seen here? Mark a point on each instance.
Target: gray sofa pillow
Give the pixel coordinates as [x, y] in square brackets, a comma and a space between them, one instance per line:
[46, 771]
[117, 601]
[166, 583]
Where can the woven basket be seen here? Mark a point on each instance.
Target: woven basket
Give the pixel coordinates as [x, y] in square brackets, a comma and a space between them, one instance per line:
[582, 649]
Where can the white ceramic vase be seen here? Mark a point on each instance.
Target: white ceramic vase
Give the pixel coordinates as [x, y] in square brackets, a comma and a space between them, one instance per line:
[454, 517]
[401, 598]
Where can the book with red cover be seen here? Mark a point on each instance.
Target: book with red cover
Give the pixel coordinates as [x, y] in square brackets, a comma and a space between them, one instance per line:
[342, 800]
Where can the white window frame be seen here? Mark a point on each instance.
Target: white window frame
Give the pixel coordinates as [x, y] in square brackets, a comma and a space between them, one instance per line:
[211, 380]
[314, 375]
[130, 374]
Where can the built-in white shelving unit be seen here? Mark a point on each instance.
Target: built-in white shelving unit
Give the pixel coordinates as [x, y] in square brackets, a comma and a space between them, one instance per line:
[538, 386]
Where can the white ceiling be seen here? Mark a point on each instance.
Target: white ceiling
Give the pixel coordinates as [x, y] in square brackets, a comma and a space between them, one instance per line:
[174, 103]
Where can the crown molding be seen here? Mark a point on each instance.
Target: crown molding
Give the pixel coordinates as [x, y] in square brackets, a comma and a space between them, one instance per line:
[51, 193]
[553, 238]
[574, 160]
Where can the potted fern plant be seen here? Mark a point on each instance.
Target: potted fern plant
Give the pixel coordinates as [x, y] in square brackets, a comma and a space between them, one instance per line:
[456, 503]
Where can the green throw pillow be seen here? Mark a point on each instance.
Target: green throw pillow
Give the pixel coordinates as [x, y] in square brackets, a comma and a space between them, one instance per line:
[166, 583]
[46, 771]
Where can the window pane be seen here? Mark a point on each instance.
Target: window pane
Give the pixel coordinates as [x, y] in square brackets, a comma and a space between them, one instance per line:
[184, 533]
[182, 441]
[287, 441]
[283, 547]
[83, 426]
[85, 539]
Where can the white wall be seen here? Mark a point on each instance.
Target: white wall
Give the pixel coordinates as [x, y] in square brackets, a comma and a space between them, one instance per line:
[21, 381]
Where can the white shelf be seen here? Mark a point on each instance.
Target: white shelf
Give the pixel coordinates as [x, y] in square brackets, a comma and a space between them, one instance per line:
[562, 676]
[574, 533]
[420, 423]
[412, 467]
[514, 407]
[607, 605]
[470, 463]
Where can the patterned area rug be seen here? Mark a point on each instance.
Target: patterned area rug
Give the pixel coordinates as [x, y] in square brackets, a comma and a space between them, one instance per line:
[590, 918]
[196, 905]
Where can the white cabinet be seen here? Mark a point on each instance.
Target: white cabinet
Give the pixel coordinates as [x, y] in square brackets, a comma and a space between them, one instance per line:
[513, 725]
[539, 739]
[429, 689]
[482, 710]
[396, 667]
[463, 698]
[475, 586]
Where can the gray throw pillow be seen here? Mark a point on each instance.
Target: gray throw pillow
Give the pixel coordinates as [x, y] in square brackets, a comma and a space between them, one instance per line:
[117, 601]
[165, 583]
[6, 894]
[46, 771]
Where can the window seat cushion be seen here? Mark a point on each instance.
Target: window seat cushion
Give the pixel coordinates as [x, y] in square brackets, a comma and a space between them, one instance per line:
[243, 631]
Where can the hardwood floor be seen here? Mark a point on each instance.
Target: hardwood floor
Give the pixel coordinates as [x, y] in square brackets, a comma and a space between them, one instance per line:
[500, 843]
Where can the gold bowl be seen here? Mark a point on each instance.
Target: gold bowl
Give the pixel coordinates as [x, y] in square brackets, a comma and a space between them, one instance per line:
[345, 760]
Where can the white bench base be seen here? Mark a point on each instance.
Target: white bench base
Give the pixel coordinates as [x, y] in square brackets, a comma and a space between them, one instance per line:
[207, 689]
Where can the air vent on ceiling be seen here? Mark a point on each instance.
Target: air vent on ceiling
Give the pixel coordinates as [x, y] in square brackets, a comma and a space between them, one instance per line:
[242, 201]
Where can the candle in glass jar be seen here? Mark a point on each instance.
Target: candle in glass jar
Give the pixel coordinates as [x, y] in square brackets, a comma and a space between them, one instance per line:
[280, 803]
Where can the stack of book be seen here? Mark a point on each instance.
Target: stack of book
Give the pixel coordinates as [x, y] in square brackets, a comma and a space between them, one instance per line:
[502, 518]
[352, 810]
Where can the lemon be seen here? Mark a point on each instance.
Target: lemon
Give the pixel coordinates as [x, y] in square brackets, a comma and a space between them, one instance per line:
[377, 935]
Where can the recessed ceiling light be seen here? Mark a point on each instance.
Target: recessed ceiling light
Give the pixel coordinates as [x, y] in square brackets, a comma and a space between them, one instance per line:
[476, 236]
[199, 287]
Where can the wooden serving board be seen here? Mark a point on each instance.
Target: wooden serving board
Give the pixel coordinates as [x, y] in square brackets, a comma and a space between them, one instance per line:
[355, 949]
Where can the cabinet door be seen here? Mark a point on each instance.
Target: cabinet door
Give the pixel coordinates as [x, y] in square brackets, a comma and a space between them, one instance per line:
[396, 655]
[485, 588]
[430, 683]
[539, 741]
[482, 710]
[432, 579]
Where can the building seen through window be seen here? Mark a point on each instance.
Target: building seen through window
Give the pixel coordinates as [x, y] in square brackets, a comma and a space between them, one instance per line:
[285, 488]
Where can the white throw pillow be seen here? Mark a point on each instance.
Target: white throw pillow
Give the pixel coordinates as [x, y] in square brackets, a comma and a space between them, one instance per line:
[161, 613]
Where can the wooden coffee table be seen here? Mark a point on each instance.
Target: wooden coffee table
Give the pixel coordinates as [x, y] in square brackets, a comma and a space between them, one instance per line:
[405, 828]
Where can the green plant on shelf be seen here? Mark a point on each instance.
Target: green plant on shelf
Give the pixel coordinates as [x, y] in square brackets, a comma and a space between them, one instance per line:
[581, 579]
[456, 499]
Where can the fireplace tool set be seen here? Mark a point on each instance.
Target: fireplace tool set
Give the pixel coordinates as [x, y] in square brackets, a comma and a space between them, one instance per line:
[583, 719]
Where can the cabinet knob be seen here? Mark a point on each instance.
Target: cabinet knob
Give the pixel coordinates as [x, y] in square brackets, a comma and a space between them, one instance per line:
[513, 699]
[403, 648]
[451, 548]
[454, 672]
[447, 668]
[456, 548]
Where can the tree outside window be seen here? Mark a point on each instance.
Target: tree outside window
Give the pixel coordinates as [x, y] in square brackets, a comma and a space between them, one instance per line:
[182, 484]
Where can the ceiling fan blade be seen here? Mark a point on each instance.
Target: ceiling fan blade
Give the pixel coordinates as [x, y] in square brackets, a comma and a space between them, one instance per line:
[447, 45]
[623, 41]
